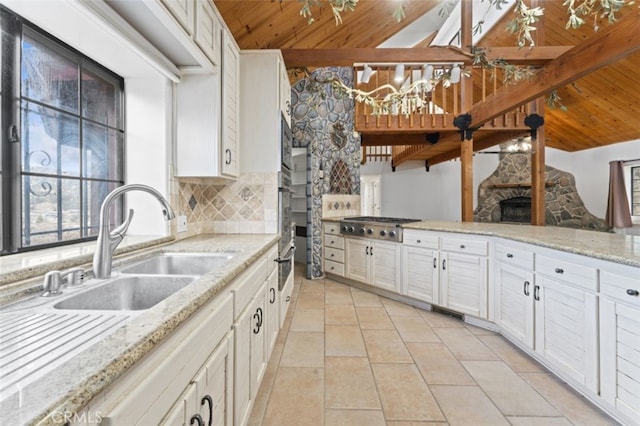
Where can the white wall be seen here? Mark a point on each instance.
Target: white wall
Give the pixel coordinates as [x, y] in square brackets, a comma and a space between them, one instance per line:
[413, 192]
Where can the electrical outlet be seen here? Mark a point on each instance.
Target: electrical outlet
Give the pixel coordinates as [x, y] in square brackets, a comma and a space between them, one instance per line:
[182, 224]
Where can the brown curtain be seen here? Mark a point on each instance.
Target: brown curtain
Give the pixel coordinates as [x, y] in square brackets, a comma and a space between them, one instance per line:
[618, 215]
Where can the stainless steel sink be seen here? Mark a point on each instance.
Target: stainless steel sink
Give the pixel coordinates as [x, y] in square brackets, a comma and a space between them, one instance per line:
[127, 293]
[179, 264]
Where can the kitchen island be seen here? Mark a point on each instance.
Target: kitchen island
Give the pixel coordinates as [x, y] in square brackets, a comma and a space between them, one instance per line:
[66, 389]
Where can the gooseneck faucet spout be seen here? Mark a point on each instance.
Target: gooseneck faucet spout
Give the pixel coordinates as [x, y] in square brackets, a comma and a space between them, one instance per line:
[108, 239]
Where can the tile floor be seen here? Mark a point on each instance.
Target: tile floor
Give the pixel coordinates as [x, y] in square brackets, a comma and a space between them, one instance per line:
[349, 357]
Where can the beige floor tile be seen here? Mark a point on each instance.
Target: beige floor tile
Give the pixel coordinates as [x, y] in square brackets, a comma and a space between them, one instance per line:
[511, 394]
[403, 393]
[516, 359]
[464, 345]
[305, 386]
[570, 404]
[409, 423]
[478, 331]
[340, 315]
[435, 319]
[385, 346]
[364, 298]
[349, 384]
[303, 349]
[308, 320]
[310, 300]
[438, 365]
[414, 329]
[344, 340]
[395, 308]
[354, 418]
[337, 294]
[467, 405]
[539, 421]
[373, 317]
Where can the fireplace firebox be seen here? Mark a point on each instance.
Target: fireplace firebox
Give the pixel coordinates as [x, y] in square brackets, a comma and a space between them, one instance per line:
[516, 209]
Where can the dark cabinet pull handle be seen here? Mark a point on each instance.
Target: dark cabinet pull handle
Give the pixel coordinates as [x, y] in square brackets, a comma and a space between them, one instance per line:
[208, 400]
[258, 317]
[435, 263]
[273, 295]
[288, 298]
[526, 288]
[228, 160]
[509, 255]
[536, 292]
[632, 292]
[559, 271]
[197, 418]
[371, 251]
[367, 250]
[444, 264]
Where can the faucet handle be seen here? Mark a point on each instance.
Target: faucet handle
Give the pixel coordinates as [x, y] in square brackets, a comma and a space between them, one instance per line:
[74, 276]
[120, 230]
[51, 286]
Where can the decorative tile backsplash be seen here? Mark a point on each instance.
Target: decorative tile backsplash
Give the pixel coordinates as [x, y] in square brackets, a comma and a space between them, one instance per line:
[247, 205]
[338, 205]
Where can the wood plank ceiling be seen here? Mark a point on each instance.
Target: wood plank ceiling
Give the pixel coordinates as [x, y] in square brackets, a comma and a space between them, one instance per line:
[603, 107]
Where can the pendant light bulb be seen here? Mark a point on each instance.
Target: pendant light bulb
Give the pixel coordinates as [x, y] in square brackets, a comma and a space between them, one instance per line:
[366, 74]
[399, 76]
[427, 72]
[455, 74]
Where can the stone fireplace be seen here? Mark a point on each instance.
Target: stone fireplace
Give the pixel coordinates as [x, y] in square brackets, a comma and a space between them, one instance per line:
[505, 196]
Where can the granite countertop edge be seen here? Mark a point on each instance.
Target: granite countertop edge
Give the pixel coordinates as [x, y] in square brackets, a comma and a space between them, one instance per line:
[125, 346]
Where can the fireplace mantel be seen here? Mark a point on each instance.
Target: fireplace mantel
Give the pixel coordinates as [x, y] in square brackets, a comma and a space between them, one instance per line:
[517, 185]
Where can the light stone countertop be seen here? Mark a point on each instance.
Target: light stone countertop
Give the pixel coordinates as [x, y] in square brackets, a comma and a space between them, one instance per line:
[71, 386]
[624, 249]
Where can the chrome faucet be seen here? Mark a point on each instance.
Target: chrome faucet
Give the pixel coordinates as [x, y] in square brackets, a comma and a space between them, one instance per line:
[108, 240]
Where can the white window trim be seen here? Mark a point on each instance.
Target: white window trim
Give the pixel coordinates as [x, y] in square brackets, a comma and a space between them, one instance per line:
[627, 183]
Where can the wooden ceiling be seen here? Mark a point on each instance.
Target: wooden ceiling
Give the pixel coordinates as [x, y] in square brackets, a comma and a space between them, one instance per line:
[602, 107]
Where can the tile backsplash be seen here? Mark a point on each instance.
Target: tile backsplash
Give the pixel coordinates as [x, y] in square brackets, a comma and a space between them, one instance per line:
[248, 205]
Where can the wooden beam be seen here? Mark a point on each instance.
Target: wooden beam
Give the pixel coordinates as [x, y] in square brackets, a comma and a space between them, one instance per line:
[538, 182]
[604, 48]
[348, 56]
[466, 102]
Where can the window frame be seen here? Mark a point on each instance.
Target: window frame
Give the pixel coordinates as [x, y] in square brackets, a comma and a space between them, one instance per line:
[12, 103]
[631, 167]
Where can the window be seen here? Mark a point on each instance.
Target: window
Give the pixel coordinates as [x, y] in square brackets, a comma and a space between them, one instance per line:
[635, 191]
[66, 137]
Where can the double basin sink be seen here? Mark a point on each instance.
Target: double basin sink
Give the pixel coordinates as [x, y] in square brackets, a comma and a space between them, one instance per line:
[144, 284]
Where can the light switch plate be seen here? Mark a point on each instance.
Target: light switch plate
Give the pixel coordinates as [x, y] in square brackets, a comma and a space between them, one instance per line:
[182, 224]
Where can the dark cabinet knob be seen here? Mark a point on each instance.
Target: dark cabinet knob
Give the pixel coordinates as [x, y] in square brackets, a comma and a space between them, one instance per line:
[632, 292]
[559, 271]
[462, 246]
[509, 255]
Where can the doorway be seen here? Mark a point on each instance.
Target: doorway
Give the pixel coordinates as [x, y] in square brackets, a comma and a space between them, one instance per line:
[370, 195]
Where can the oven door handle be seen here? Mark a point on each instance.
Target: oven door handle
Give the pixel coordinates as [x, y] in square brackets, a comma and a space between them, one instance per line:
[286, 259]
[289, 190]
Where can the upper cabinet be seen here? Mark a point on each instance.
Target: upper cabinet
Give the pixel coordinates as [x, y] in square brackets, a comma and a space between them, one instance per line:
[230, 105]
[183, 11]
[207, 29]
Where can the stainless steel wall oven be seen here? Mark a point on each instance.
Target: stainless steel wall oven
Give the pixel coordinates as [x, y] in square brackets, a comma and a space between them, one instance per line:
[286, 246]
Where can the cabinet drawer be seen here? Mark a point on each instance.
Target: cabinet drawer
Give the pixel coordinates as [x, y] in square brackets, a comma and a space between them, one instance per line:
[463, 245]
[335, 255]
[332, 228]
[334, 267]
[245, 287]
[411, 237]
[621, 287]
[582, 276]
[514, 256]
[334, 241]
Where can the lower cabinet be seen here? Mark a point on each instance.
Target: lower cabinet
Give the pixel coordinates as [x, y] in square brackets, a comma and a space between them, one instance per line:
[272, 314]
[374, 262]
[420, 274]
[514, 302]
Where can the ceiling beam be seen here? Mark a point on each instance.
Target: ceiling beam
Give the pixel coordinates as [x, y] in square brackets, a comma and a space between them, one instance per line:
[604, 48]
[406, 138]
[348, 56]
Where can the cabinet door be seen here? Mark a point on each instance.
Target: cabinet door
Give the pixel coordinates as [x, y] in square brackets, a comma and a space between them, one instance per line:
[357, 254]
[420, 274]
[272, 315]
[514, 302]
[285, 92]
[620, 357]
[183, 11]
[385, 265]
[207, 30]
[215, 386]
[183, 410]
[566, 330]
[258, 332]
[241, 366]
[464, 283]
[230, 107]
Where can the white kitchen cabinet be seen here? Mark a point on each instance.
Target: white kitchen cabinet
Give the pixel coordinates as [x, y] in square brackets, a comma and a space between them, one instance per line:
[230, 131]
[333, 249]
[183, 11]
[566, 316]
[514, 283]
[285, 92]
[463, 275]
[373, 262]
[420, 266]
[207, 30]
[272, 315]
[620, 340]
[262, 93]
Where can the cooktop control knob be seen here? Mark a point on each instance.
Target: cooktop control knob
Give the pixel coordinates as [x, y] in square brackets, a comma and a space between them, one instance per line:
[383, 233]
[345, 228]
[361, 230]
[392, 234]
[369, 231]
[352, 229]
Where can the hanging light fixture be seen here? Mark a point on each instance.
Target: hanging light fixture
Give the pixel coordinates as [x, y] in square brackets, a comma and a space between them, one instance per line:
[455, 74]
[427, 72]
[366, 74]
[399, 75]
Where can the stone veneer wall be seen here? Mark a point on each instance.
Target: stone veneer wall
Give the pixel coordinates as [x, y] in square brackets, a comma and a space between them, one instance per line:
[319, 118]
[563, 205]
[248, 205]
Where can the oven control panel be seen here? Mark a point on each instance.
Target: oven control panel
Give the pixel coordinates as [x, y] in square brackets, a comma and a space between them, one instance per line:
[389, 232]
